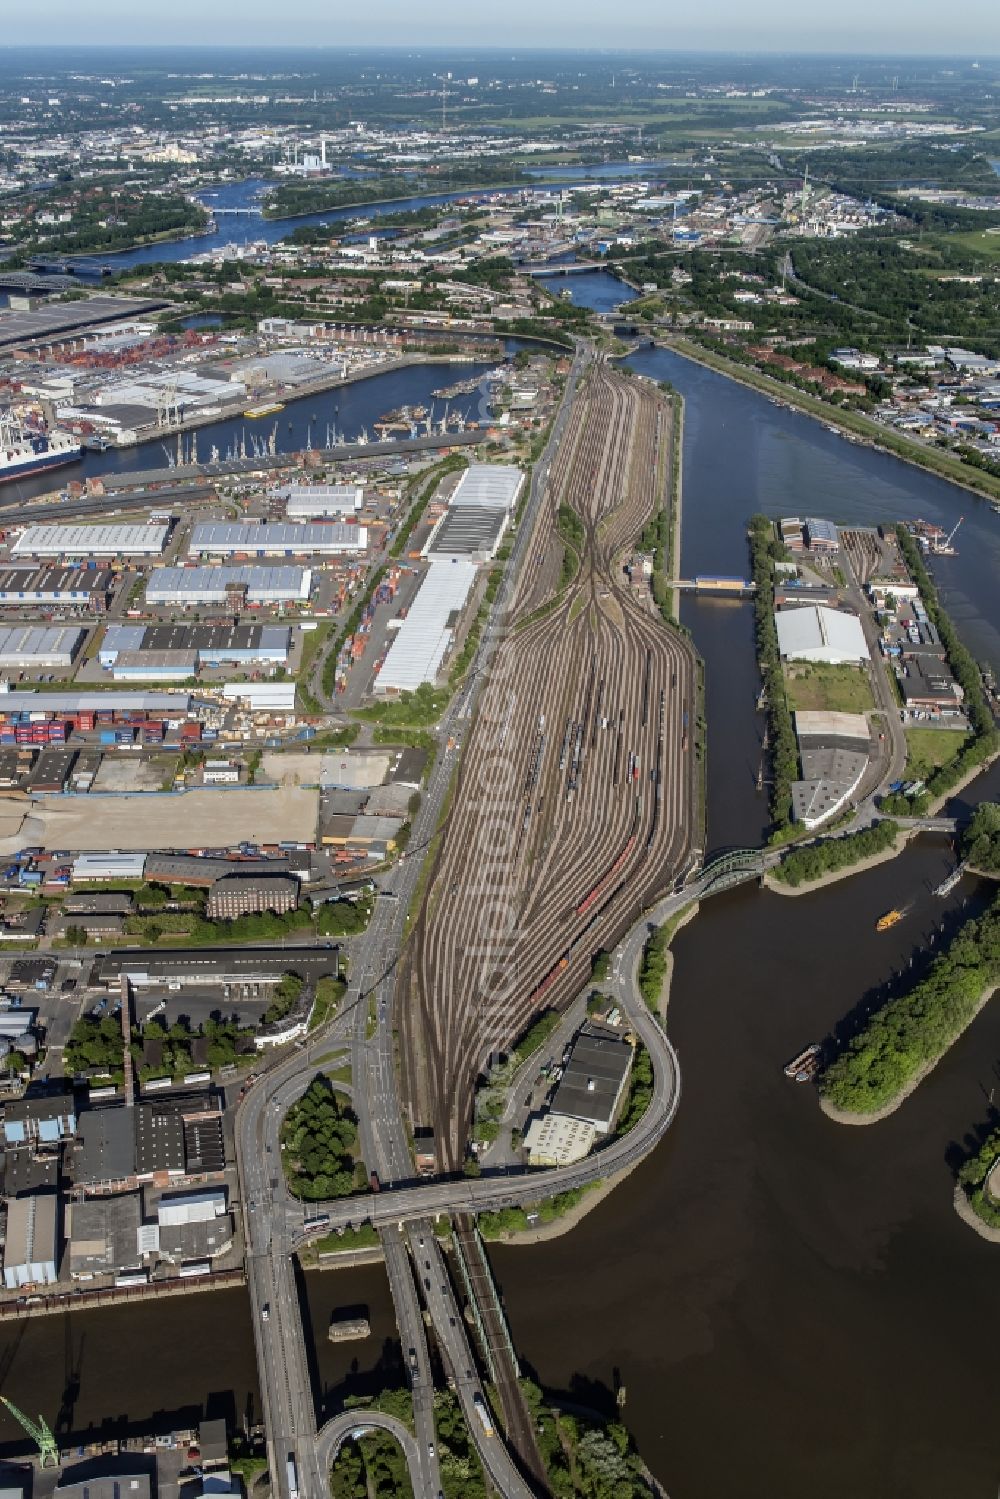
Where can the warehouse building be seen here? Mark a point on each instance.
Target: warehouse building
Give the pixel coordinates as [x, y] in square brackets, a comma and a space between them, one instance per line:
[57, 588]
[834, 751]
[276, 539]
[31, 1250]
[182, 586]
[91, 541]
[557, 1140]
[172, 648]
[489, 485]
[314, 501]
[39, 647]
[427, 632]
[55, 704]
[155, 666]
[110, 866]
[478, 513]
[262, 697]
[104, 1236]
[593, 1083]
[816, 633]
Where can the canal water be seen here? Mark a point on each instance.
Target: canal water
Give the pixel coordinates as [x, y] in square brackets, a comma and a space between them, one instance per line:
[349, 410]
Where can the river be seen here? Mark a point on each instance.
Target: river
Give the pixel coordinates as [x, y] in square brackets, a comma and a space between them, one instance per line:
[793, 1306]
[235, 225]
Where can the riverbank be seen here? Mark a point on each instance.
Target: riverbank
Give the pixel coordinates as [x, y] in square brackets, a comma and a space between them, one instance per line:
[61, 1302]
[447, 195]
[850, 1116]
[968, 1215]
[832, 876]
[851, 424]
[679, 921]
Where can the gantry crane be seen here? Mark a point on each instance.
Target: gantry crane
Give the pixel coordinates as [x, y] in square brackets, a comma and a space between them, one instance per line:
[40, 1433]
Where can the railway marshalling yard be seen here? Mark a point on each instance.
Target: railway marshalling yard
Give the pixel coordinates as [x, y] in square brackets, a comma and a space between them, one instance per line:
[575, 805]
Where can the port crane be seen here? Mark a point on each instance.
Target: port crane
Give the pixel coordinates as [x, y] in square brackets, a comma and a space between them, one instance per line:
[40, 1433]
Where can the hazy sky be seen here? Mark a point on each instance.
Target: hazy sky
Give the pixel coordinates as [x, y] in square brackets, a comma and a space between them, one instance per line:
[891, 26]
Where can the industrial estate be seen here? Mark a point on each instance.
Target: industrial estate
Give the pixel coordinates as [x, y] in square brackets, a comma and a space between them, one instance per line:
[358, 712]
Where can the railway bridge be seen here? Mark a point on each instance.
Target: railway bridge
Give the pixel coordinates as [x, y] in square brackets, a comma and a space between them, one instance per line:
[731, 868]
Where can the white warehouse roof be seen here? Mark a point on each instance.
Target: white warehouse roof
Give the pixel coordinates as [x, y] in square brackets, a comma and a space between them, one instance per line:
[39, 645]
[489, 484]
[46, 703]
[817, 633]
[91, 541]
[111, 866]
[208, 585]
[306, 500]
[277, 538]
[191, 1207]
[262, 697]
[416, 654]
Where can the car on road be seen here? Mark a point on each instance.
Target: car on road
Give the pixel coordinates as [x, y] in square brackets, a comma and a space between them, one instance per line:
[265, 1312]
[430, 1449]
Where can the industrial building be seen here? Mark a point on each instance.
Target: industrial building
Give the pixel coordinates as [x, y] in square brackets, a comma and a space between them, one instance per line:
[56, 588]
[242, 895]
[834, 751]
[314, 501]
[31, 1250]
[478, 513]
[558, 1140]
[110, 866]
[182, 586]
[91, 541]
[155, 666]
[276, 539]
[489, 485]
[816, 633]
[39, 647]
[427, 632]
[39, 1120]
[594, 1080]
[48, 704]
[195, 646]
[104, 1235]
[262, 697]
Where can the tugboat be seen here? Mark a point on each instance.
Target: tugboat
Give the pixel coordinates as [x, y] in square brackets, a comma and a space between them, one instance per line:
[889, 919]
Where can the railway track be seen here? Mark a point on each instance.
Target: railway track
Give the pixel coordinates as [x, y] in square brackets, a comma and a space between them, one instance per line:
[575, 803]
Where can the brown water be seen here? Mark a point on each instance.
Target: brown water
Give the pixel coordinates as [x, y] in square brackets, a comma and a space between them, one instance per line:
[793, 1305]
[156, 1365]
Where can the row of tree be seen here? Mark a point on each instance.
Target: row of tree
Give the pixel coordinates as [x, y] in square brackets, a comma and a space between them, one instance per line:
[765, 550]
[916, 1028]
[800, 865]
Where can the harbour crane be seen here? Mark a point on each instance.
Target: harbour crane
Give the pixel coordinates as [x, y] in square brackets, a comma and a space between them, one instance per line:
[40, 1433]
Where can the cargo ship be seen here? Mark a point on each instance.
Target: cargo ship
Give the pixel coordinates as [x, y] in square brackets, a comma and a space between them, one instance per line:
[24, 452]
[256, 411]
[889, 919]
[805, 1066]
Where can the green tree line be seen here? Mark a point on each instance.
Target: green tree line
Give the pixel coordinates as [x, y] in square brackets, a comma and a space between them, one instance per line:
[917, 1027]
